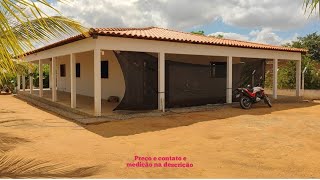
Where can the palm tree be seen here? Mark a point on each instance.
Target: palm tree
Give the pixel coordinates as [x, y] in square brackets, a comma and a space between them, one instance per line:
[312, 5]
[23, 25]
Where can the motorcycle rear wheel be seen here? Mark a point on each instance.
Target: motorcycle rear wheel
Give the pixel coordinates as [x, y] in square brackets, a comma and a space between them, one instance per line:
[245, 102]
[267, 101]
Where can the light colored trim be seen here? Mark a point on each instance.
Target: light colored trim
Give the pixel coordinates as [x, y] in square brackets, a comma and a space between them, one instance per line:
[298, 78]
[275, 79]
[54, 78]
[40, 79]
[87, 44]
[229, 80]
[141, 45]
[73, 81]
[161, 81]
[97, 82]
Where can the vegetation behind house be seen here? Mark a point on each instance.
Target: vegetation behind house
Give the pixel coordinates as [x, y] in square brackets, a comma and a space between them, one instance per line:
[311, 61]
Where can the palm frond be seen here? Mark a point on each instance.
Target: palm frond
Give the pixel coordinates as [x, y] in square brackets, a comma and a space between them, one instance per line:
[55, 28]
[312, 6]
[23, 24]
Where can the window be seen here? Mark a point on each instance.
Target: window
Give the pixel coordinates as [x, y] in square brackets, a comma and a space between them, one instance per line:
[62, 70]
[78, 70]
[104, 69]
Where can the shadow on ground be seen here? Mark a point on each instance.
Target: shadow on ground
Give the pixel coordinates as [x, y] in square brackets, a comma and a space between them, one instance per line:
[184, 117]
[13, 166]
[8, 142]
[174, 119]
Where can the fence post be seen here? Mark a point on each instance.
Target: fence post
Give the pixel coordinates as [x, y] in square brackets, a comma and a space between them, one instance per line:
[302, 79]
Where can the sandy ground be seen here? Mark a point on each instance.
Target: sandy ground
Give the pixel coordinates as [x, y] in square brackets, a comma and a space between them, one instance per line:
[226, 143]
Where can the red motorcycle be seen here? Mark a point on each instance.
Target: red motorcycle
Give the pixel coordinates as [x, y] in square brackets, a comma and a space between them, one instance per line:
[249, 96]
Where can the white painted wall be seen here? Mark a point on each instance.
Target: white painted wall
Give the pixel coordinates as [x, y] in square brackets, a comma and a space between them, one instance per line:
[63, 83]
[113, 86]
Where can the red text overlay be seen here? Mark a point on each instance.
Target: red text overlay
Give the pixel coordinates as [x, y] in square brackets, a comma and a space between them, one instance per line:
[160, 162]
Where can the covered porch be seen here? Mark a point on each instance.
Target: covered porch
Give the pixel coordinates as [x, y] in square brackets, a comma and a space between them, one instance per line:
[89, 92]
[84, 103]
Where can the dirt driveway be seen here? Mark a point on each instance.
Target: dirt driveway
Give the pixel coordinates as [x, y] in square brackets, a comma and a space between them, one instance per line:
[226, 143]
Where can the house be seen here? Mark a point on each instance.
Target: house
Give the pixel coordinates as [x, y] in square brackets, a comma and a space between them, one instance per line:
[152, 68]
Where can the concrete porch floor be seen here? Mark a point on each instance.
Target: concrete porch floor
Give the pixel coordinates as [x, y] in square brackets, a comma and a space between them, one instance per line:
[84, 103]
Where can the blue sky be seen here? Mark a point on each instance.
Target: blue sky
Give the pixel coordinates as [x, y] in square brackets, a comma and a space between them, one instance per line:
[264, 21]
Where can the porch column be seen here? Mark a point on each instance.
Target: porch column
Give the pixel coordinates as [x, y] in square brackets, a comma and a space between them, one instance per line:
[73, 81]
[161, 81]
[23, 82]
[275, 79]
[31, 81]
[54, 79]
[40, 79]
[298, 78]
[18, 83]
[97, 81]
[229, 80]
[50, 74]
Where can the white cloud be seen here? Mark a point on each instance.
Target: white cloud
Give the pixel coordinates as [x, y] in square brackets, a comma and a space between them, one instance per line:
[284, 14]
[267, 17]
[265, 35]
[182, 14]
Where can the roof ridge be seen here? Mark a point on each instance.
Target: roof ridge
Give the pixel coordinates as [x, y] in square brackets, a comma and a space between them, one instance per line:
[189, 33]
[213, 37]
[249, 42]
[122, 28]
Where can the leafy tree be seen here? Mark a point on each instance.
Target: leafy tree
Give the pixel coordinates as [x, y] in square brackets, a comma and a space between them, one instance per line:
[310, 42]
[286, 74]
[198, 33]
[312, 75]
[9, 83]
[45, 76]
[203, 34]
[219, 36]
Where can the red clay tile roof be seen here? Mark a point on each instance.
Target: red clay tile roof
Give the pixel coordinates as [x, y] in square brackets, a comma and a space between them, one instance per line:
[161, 34]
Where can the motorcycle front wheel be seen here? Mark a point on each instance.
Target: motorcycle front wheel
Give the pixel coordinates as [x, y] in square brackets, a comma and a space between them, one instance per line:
[267, 101]
[245, 102]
